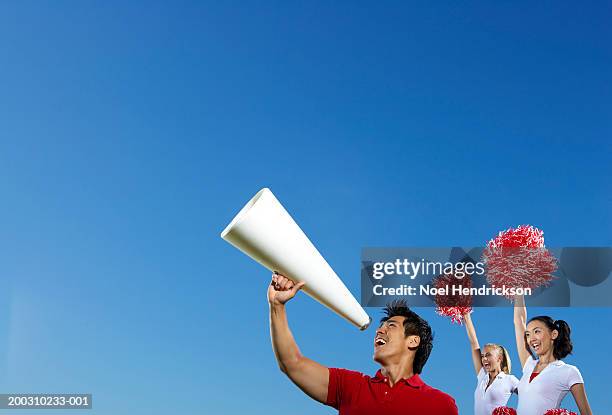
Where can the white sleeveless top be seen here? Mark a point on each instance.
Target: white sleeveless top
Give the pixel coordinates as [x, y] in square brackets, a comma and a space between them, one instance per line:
[546, 390]
[486, 400]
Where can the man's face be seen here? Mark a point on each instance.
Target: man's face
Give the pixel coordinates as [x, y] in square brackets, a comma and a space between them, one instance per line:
[390, 341]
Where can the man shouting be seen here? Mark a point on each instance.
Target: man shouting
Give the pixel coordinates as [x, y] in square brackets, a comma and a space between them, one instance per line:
[402, 346]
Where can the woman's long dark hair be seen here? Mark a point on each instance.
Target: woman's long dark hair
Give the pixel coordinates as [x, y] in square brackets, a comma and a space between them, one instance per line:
[562, 345]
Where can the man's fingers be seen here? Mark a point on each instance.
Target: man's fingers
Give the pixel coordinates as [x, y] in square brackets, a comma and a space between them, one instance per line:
[275, 282]
[282, 283]
[278, 282]
[297, 287]
[281, 280]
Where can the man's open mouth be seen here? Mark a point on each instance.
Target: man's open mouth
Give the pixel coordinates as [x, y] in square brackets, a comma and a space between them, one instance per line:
[379, 341]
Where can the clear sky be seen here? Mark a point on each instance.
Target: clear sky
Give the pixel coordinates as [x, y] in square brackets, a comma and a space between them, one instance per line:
[131, 133]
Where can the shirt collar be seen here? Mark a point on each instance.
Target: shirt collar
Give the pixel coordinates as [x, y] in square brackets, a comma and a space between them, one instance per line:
[415, 381]
[557, 362]
[501, 375]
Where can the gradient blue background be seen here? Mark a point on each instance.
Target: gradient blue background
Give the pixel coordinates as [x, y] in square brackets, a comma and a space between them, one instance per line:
[130, 134]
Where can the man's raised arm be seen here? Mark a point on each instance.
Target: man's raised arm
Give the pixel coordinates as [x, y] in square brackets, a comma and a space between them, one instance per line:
[308, 375]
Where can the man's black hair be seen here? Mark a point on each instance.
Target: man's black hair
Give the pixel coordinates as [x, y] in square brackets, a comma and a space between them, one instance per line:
[414, 325]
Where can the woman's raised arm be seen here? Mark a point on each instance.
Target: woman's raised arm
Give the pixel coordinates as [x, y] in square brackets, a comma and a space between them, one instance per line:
[520, 325]
[474, 346]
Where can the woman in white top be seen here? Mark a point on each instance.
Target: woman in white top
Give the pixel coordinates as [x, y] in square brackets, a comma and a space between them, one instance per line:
[546, 380]
[492, 366]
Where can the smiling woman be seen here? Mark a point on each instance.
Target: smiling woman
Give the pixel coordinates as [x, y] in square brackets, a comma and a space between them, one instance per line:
[546, 380]
[495, 383]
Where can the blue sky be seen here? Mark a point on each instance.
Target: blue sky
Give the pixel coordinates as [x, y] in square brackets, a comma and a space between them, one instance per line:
[132, 133]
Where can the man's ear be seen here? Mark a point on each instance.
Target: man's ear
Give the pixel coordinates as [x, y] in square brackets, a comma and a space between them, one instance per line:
[413, 342]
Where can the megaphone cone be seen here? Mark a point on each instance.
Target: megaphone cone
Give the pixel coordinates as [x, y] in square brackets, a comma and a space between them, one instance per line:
[265, 231]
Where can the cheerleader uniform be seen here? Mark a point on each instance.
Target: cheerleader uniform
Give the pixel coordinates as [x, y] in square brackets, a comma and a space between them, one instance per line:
[497, 394]
[546, 389]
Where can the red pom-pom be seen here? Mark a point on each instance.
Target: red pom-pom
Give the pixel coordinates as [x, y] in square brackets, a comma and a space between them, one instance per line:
[524, 236]
[517, 258]
[559, 411]
[504, 410]
[453, 305]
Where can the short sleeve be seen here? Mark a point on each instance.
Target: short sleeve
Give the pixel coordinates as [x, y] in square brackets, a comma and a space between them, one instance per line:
[481, 374]
[573, 376]
[451, 406]
[514, 382]
[438, 402]
[529, 365]
[341, 383]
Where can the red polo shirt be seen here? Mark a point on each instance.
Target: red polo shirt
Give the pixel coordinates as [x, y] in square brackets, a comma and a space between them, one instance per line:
[353, 393]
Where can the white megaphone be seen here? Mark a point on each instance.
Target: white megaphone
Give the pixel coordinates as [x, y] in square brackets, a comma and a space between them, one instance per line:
[267, 233]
